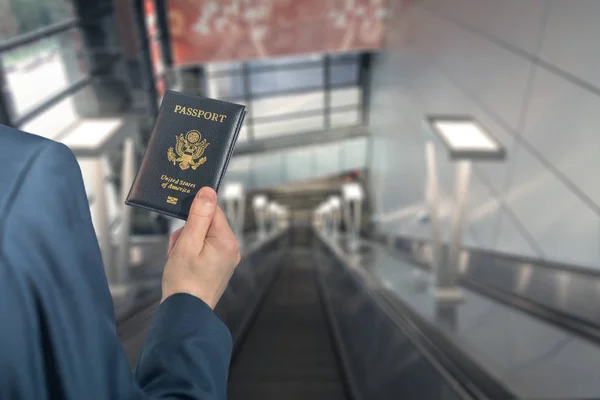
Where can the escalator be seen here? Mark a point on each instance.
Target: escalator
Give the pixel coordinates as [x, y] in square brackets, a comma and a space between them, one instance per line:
[288, 352]
[307, 326]
[320, 332]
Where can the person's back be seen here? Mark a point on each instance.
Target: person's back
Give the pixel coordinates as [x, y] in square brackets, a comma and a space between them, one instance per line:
[57, 324]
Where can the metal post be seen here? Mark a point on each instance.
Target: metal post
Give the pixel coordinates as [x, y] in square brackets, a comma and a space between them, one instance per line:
[447, 316]
[260, 216]
[162, 22]
[351, 214]
[334, 224]
[357, 224]
[447, 289]
[365, 84]
[272, 222]
[146, 70]
[433, 202]
[127, 177]
[347, 220]
[249, 119]
[327, 91]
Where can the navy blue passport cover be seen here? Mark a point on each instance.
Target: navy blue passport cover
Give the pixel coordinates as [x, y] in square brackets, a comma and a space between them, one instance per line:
[190, 147]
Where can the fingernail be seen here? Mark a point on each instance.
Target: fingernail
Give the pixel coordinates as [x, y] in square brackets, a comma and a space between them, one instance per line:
[207, 194]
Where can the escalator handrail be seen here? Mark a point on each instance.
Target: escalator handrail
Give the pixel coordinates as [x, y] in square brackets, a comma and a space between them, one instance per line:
[518, 259]
[130, 321]
[460, 371]
[561, 319]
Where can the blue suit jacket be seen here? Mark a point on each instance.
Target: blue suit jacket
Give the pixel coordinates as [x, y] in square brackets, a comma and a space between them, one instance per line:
[57, 322]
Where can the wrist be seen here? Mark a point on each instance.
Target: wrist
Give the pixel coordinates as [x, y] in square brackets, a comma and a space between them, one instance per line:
[202, 296]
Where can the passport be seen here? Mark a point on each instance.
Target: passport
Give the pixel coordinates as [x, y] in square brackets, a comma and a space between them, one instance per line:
[190, 147]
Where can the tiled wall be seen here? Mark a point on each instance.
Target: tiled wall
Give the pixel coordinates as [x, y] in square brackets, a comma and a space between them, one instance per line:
[529, 71]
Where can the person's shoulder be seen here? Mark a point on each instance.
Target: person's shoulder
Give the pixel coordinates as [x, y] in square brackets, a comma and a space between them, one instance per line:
[24, 154]
[20, 150]
[14, 139]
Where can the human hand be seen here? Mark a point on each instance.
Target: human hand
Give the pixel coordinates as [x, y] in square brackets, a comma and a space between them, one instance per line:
[203, 254]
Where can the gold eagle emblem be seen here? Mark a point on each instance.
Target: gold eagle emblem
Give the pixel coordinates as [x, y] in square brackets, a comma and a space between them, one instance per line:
[188, 149]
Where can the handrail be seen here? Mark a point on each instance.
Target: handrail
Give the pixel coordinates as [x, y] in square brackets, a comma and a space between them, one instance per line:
[452, 363]
[143, 311]
[563, 320]
[572, 268]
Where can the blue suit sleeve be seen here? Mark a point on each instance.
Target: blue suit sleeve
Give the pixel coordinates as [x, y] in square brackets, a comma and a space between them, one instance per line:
[57, 322]
[187, 351]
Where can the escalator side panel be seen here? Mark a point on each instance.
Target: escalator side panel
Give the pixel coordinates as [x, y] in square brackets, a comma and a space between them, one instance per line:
[382, 362]
[247, 287]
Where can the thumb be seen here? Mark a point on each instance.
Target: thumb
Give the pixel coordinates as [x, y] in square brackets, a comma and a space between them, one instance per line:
[199, 219]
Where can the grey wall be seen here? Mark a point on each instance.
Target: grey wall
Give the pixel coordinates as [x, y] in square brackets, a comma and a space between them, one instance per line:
[529, 71]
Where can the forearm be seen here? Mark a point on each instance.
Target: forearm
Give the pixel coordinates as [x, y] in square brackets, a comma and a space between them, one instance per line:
[187, 352]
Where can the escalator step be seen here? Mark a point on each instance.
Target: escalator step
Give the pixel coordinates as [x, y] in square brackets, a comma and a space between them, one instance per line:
[288, 354]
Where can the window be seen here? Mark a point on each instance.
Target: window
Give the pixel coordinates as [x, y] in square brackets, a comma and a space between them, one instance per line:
[44, 65]
[273, 106]
[289, 126]
[228, 87]
[291, 95]
[345, 118]
[37, 71]
[285, 80]
[299, 163]
[327, 159]
[344, 75]
[22, 17]
[354, 153]
[267, 169]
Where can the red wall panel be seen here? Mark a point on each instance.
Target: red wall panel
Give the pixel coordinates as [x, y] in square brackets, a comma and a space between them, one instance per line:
[210, 30]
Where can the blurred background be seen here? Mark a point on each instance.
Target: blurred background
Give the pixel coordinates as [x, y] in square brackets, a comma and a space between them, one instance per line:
[415, 186]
